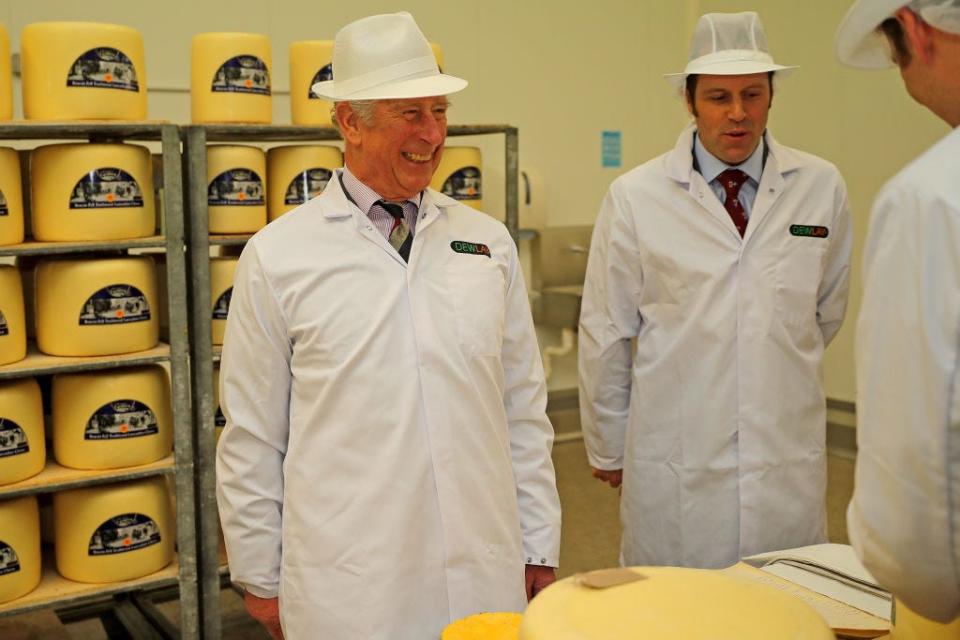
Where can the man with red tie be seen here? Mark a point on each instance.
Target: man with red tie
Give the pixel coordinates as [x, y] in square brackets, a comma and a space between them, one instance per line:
[718, 273]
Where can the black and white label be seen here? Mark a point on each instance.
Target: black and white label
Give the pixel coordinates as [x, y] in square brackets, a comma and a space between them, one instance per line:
[219, 420]
[13, 439]
[4, 208]
[121, 419]
[236, 187]
[243, 74]
[116, 304]
[9, 562]
[106, 188]
[323, 75]
[126, 532]
[4, 327]
[222, 306]
[464, 184]
[308, 184]
[103, 68]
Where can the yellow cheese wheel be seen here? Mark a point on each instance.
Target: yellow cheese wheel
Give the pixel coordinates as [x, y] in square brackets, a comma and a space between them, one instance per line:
[11, 198]
[91, 192]
[484, 626]
[236, 188]
[219, 420]
[6, 76]
[297, 173]
[96, 307]
[23, 451]
[221, 290]
[82, 71]
[110, 419]
[230, 78]
[19, 547]
[13, 328]
[908, 625]
[310, 62]
[670, 603]
[459, 175]
[114, 532]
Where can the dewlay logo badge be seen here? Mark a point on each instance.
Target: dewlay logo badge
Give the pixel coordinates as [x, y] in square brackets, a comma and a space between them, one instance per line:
[809, 231]
[474, 248]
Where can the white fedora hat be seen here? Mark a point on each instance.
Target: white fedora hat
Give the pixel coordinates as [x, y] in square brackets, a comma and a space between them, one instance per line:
[728, 44]
[858, 42]
[384, 57]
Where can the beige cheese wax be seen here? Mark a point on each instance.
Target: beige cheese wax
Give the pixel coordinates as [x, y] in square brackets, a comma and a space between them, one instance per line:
[11, 198]
[298, 173]
[13, 329]
[19, 547]
[230, 78]
[459, 175]
[23, 451]
[236, 188]
[221, 290]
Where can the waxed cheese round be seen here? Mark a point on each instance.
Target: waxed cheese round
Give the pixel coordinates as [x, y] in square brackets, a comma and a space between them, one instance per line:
[82, 71]
[310, 63]
[110, 419]
[23, 451]
[6, 76]
[95, 307]
[91, 192]
[236, 188]
[113, 532]
[459, 175]
[19, 547]
[11, 198]
[219, 420]
[13, 329]
[909, 625]
[230, 78]
[221, 290]
[297, 173]
[493, 625]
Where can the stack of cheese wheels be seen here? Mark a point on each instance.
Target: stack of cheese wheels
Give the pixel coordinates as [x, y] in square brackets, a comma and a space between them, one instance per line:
[91, 192]
[459, 175]
[13, 330]
[668, 603]
[221, 290]
[82, 71]
[230, 78]
[19, 547]
[109, 419]
[23, 451]
[908, 625]
[11, 198]
[96, 307]
[236, 189]
[484, 626]
[297, 173]
[6, 76]
[114, 532]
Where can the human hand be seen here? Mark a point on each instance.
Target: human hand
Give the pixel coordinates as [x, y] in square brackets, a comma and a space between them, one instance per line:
[266, 611]
[538, 578]
[614, 477]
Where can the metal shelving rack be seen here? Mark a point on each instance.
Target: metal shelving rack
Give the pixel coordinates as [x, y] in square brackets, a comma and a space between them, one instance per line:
[212, 567]
[125, 598]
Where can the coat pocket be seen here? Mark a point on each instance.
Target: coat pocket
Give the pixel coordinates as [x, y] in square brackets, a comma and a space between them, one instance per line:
[798, 276]
[478, 295]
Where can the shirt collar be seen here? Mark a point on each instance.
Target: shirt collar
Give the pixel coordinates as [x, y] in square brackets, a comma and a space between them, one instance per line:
[710, 166]
[365, 197]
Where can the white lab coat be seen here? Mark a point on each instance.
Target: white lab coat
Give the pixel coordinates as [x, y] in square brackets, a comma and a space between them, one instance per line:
[904, 519]
[386, 461]
[718, 419]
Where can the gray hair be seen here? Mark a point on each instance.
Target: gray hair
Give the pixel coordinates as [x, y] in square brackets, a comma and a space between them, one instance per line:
[363, 109]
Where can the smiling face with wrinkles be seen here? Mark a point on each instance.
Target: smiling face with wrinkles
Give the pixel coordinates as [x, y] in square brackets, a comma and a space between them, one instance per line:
[397, 152]
[731, 113]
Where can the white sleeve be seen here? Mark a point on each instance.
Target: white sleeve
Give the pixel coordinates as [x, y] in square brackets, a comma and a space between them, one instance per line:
[835, 286]
[609, 320]
[531, 434]
[904, 519]
[254, 396]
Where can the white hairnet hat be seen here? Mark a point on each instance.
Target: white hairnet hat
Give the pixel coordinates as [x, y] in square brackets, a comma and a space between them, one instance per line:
[859, 44]
[728, 44]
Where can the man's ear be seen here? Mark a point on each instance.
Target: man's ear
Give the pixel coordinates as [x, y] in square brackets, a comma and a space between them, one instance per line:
[349, 122]
[691, 108]
[919, 34]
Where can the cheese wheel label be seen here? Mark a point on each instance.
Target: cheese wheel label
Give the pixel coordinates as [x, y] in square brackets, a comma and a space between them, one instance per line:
[236, 188]
[9, 562]
[323, 75]
[106, 188]
[4, 327]
[463, 184]
[13, 440]
[116, 304]
[222, 306]
[306, 185]
[121, 419]
[4, 209]
[243, 74]
[219, 420]
[103, 68]
[126, 532]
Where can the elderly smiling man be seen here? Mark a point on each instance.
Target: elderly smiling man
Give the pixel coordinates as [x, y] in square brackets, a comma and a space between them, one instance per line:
[386, 466]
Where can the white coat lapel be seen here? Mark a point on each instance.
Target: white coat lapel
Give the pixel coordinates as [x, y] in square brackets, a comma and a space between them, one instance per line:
[335, 204]
[780, 161]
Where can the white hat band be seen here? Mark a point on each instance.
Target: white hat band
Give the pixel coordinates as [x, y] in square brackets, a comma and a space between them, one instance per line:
[405, 70]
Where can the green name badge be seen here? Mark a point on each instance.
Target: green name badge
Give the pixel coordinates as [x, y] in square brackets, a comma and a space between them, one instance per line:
[474, 248]
[809, 231]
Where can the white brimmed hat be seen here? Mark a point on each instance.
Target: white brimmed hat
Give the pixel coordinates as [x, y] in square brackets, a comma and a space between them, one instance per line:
[728, 44]
[858, 42]
[384, 57]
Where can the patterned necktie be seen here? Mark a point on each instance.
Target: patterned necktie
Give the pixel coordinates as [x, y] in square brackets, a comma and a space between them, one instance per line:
[400, 236]
[732, 180]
